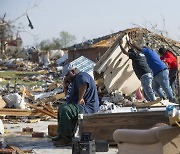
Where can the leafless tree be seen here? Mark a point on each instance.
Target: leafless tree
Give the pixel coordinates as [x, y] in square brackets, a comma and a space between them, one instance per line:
[9, 27]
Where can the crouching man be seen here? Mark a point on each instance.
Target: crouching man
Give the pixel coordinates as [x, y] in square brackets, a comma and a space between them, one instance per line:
[82, 98]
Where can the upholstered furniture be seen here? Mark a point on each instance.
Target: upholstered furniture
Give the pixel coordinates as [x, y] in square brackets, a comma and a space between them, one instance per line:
[156, 140]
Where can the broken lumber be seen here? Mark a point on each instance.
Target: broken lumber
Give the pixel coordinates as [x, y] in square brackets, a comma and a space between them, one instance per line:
[149, 104]
[49, 108]
[43, 111]
[7, 151]
[18, 112]
[18, 150]
[26, 93]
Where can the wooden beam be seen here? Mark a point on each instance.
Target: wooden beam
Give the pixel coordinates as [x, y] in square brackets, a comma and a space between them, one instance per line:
[50, 109]
[145, 105]
[43, 111]
[18, 112]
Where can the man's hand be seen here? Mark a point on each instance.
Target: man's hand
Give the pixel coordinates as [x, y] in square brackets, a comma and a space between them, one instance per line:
[81, 102]
[165, 63]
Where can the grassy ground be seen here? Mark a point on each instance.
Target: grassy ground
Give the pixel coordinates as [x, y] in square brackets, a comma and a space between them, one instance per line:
[18, 76]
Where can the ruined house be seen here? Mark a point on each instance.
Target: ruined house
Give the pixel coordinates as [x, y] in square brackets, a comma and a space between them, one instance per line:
[13, 45]
[112, 64]
[116, 68]
[92, 49]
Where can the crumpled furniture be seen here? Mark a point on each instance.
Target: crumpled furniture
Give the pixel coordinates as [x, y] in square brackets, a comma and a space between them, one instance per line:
[156, 140]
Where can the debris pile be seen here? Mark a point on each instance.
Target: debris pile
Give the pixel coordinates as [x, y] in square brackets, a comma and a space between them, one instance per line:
[51, 65]
[113, 75]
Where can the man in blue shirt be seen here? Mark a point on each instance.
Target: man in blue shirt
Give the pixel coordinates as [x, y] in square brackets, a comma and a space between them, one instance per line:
[160, 72]
[83, 98]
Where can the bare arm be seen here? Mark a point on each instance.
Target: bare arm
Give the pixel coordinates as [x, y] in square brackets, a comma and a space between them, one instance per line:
[65, 85]
[134, 47]
[82, 90]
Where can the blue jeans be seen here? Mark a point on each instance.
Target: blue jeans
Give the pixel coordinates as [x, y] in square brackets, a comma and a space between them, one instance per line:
[146, 82]
[160, 83]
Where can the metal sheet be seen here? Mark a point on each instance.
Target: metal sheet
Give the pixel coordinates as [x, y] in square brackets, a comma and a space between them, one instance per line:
[84, 64]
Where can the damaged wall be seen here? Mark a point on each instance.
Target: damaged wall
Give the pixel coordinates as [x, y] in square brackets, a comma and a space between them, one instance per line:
[117, 70]
[93, 54]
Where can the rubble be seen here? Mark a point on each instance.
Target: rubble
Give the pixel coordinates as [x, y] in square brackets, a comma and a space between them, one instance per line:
[111, 85]
[50, 91]
[113, 75]
[14, 101]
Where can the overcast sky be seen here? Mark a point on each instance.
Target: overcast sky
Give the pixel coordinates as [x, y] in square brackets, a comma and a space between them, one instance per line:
[88, 19]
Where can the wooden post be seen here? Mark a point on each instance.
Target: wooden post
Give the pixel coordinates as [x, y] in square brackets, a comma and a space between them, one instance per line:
[178, 79]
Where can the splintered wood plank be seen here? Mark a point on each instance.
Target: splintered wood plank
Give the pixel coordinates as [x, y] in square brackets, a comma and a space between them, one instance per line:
[49, 108]
[149, 104]
[26, 93]
[102, 126]
[18, 112]
[18, 150]
[43, 111]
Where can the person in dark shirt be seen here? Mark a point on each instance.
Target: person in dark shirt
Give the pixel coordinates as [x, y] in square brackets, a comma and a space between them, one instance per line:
[83, 98]
[160, 72]
[142, 71]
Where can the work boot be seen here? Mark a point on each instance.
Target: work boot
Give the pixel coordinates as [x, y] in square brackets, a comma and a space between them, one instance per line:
[56, 138]
[174, 100]
[63, 142]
